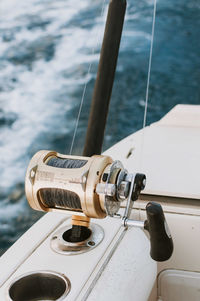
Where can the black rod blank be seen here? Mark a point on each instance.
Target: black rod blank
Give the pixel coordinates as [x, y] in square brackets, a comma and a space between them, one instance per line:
[105, 77]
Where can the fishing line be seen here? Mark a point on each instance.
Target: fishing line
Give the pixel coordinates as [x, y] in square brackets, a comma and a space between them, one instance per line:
[150, 61]
[85, 87]
[62, 198]
[148, 79]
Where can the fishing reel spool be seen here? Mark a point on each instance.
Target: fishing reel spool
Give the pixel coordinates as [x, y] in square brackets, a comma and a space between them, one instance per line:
[92, 187]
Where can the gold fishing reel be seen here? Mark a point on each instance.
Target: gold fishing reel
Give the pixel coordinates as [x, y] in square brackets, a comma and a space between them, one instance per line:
[94, 186]
[91, 187]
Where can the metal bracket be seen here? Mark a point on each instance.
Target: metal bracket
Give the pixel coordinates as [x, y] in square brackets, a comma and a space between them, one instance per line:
[61, 246]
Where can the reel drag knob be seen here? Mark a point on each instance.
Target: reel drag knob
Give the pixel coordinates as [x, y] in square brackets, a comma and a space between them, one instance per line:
[160, 236]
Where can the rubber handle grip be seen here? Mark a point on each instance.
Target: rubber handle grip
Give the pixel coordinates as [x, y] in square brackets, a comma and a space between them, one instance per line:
[160, 237]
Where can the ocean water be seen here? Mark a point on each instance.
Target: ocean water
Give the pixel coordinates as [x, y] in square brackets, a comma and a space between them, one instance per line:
[46, 48]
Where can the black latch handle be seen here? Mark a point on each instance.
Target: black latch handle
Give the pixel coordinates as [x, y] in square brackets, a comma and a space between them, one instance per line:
[160, 236]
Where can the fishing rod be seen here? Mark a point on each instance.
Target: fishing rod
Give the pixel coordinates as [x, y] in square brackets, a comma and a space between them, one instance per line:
[105, 78]
[92, 185]
[103, 86]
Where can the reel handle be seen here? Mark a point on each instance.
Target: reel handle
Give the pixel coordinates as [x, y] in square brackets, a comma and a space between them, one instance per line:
[160, 236]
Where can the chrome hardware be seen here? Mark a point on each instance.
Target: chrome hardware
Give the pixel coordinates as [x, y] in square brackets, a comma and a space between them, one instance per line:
[61, 246]
[108, 189]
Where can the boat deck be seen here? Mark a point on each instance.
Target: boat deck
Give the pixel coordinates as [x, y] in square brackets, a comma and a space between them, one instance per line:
[168, 152]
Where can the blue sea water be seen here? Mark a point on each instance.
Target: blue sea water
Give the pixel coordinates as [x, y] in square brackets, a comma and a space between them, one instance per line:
[46, 48]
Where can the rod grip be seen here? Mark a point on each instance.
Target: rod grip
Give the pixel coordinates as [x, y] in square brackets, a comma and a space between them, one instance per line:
[160, 236]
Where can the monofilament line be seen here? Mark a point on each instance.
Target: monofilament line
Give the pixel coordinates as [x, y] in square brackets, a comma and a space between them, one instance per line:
[84, 91]
[148, 80]
[150, 61]
[79, 112]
